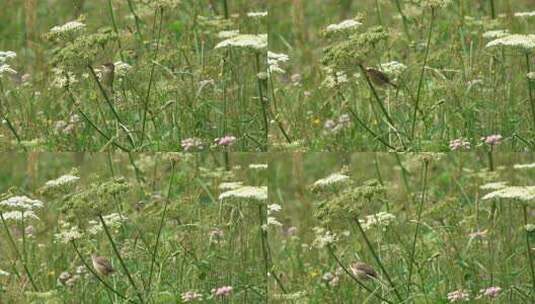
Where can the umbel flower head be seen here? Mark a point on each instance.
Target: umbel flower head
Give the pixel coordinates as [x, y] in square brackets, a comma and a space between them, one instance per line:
[435, 3]
[246, 192]
[354, 49]
[516, 41]
[97, 198]
[522, 193]
[247, 41]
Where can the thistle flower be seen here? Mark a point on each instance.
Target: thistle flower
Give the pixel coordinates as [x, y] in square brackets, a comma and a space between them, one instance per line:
[223, 291]
[248, 41]
[225, 141]
[458, 296]
[192, 143]
[246, 192]
[459, 144]
[191, 296]
[492, 140]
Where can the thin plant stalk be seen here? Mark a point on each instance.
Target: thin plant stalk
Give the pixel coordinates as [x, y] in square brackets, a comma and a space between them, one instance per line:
[417, 230]
[264, 239]
[352, 276]
[115, 29]
[377, 98]
[162, 221]
[377, 259]
[136, 21]
[73, 243]
[17, 253]
[225, 9]
[363, 125]
[422, 72]
[151, 78]
[404, 19]
[528, 244]
[531, 99]
[262, 102]
[492, 9]
[123, 265]
[94, 126]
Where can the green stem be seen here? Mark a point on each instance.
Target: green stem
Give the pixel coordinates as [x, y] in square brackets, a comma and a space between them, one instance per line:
[225, 9]
[151, 78]
[404, 19]
[17, 253]
[162, 221]
[375, 136]
[421, 81]
[377, 98]
[492, 9]
[528, 244]
[419, 218]
[263, 238]
[531, 99]
[262, 102]
[136, 20]
[377, 259]
[123, 265]
[115, 29]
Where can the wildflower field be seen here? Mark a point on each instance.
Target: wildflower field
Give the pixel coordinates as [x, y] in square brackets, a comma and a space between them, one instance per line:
[455, 72]
[267, 151]
[184, 77]
[411, 228]
[175, 228]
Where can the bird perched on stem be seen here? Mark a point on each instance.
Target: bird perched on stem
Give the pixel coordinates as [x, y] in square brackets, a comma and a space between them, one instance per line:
[108, 74]
[102, 265]
[379, 78]
[363, 271]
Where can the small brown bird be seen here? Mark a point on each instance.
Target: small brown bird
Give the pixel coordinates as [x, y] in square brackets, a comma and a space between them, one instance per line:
[363, 271]
[102, 265]
[379, 78]
[108, 74]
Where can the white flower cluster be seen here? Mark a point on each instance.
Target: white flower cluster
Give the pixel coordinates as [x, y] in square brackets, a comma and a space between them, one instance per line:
[63, 79]
[21, 203]
[334, 79]
[70, 27]
[274, 61]
[257, 14]
[525, 14]
[258, 166]
[230, 185]
[228, 34]
[495, 34]
[68, 234]
[531, 75]
[112, 221]
[335, 178]
[62, 181]
[4, 67]
[524, 166]
[381, 220]
[271, 220]
[345, 25]
[393, 68]
[18, 215]
[523, 193]
[246, 192]
[255, 42]
[525, 42]
[323, 237]
[494, 186]
[122, 68]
